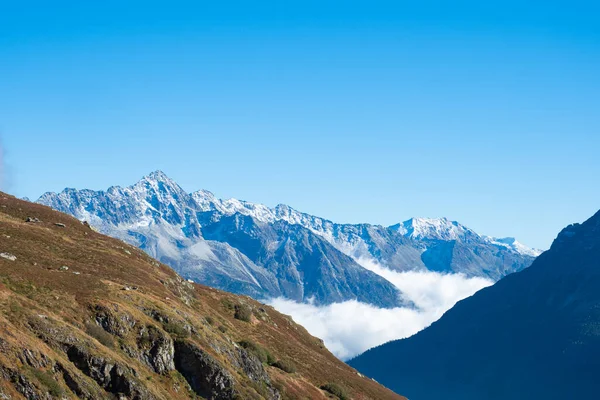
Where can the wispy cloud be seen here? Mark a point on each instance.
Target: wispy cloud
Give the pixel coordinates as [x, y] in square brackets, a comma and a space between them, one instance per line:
[351, 327]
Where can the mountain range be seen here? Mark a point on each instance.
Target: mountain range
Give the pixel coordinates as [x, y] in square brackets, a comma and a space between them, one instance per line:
[264, 252]
[533, 335]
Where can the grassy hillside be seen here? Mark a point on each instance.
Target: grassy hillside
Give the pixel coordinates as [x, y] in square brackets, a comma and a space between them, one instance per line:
[86, 316]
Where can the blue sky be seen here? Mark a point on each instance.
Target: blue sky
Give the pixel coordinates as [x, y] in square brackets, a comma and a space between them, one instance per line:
[355, 111]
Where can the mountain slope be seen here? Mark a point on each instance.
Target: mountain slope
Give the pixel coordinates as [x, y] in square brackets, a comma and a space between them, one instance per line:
[158, 216]
[86, 316]
[302, 260]
[533, 335]
[270, 252]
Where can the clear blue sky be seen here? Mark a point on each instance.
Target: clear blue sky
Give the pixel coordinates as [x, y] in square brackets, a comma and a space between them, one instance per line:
[371, 111]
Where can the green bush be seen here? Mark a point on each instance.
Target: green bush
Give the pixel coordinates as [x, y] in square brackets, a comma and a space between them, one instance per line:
[228, 304]
[336, 390]
[285, 365]
[46, 379]
[260, 352]
[100, 335]
[176, 329]
[243, 313]
[210, 320]
[222, 328]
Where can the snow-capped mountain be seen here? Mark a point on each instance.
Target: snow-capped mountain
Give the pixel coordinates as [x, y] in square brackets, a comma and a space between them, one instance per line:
[435, 229]
[514, 245]
[267, 252]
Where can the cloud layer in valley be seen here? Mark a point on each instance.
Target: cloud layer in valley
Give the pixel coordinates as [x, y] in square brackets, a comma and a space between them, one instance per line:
[349, 328]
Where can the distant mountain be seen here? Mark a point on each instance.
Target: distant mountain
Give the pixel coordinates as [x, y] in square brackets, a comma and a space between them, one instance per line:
[533, 335]
[268, 252]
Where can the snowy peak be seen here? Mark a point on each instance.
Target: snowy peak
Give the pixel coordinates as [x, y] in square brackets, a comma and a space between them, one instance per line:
[435, 229]
[154, 197]
[515, 245]
[207, 201]
[157, 206]
[446, 230]
[157, 176]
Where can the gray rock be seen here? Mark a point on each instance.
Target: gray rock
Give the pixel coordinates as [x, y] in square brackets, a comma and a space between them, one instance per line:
[206, 376]
[8, 256]
[156, 349]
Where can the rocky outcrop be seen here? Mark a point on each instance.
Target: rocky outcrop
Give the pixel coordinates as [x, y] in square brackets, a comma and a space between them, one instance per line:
[114, 321]
[82, 387]
[251, 366]
[206, 376]
[23, 384]
[254, 369]
[156, 349]
[110, 375]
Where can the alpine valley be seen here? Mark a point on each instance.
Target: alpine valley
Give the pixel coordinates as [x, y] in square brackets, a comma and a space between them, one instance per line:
[533, 335]
[263, 252]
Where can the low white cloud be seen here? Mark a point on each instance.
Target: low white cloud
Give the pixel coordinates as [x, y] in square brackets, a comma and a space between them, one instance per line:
[351, 327]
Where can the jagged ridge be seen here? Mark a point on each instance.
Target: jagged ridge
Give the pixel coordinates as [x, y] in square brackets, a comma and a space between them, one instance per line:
[264, 252]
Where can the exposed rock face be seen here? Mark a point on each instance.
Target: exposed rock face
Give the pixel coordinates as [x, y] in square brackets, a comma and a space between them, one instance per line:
[156, 349]
[79, 385]
[207, 377]
[113, 321]
[251, 366]
[23, 385]
[255, 370]
[111, 376]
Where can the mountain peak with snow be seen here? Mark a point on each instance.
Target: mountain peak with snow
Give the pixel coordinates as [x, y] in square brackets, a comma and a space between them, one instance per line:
[434, 229]
[159, 215]
[157, 175]
[515, 245]
[158, 179]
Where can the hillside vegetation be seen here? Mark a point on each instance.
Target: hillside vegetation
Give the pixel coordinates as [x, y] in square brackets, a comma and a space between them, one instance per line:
[86, 316]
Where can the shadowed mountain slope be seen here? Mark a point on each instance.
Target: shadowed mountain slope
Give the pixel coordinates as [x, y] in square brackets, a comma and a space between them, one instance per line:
[533, 335]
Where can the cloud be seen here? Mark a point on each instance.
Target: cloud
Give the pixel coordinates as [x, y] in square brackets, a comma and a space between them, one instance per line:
[351, 327]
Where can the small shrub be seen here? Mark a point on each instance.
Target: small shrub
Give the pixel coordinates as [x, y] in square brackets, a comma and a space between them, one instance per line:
[222, 328]
[148, 336]
[336, 390]
[285, 365]
[228, 304]
[17, 309]
[210, 320]
[177, 330]
[243, 313]
[260, 352]
[100, 335]
[262, 389]
[46, 379]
